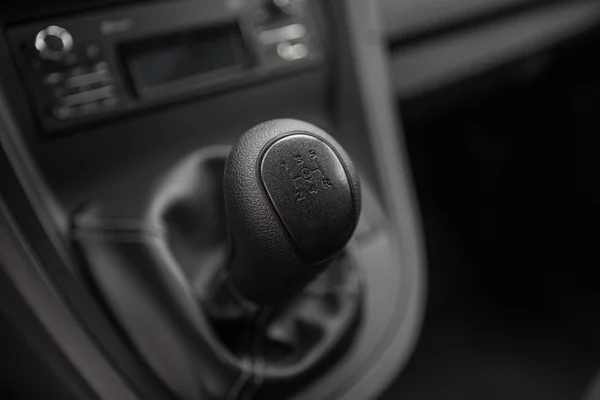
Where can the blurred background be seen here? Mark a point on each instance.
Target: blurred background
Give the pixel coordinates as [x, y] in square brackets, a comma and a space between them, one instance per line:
[499, 103]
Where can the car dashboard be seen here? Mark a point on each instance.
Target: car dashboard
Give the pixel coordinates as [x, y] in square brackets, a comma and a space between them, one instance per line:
[127, 111]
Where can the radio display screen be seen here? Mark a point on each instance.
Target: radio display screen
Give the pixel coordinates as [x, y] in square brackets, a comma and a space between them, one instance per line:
[158, 62]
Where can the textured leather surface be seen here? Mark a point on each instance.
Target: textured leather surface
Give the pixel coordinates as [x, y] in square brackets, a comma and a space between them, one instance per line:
[265, 265]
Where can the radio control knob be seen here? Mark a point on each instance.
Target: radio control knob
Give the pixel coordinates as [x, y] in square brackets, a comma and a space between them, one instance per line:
[53, 43]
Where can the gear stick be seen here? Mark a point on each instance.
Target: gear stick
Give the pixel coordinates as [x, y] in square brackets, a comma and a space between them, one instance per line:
[292, 198]
[249, 317]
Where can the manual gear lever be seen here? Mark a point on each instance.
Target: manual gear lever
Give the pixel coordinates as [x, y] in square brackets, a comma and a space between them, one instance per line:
[292, 198]
[205, 319]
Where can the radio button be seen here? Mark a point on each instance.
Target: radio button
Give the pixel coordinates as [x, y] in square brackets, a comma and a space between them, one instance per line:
[91, 79]
[284, 33]
[89, 95]
[292, 52]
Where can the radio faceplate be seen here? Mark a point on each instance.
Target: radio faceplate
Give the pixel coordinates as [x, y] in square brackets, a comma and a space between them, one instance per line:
[91, 67]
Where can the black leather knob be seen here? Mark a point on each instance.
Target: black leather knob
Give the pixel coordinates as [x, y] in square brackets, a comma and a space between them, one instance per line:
[293, 200]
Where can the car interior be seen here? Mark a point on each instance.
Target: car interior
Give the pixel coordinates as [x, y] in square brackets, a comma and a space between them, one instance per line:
[299, 199]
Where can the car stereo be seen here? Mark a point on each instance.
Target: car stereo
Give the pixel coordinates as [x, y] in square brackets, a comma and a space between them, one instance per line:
[94, 66]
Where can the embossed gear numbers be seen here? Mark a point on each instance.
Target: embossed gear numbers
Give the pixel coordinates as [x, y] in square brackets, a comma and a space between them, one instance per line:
[306, 175]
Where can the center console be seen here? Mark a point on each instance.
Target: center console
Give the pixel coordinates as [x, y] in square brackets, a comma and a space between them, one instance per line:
[195, 271]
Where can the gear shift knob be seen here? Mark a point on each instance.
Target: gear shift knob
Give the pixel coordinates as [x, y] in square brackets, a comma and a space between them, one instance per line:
[292, 197]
